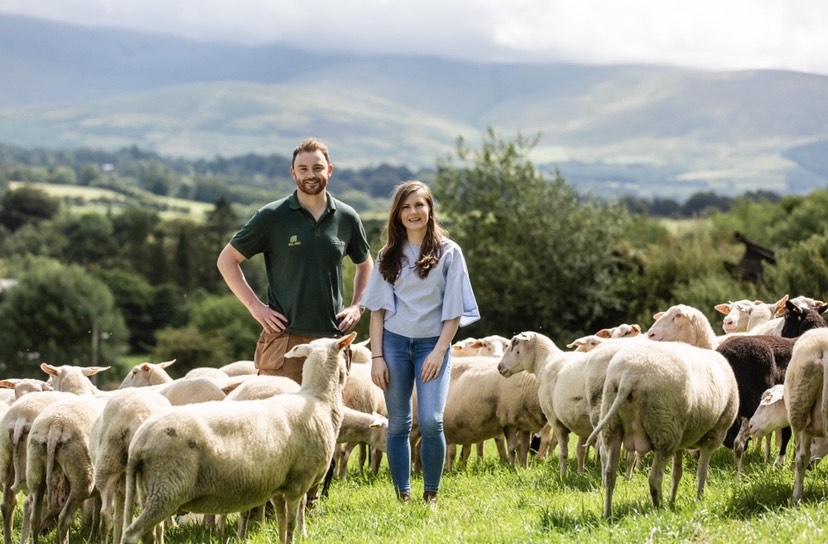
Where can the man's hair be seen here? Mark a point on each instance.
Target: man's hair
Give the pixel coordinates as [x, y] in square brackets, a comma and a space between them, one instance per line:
[311, 144]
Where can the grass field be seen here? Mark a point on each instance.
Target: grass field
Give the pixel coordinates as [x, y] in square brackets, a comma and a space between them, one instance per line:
[489, 503]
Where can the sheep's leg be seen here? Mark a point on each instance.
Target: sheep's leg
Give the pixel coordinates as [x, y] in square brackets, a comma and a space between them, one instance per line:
[280, 508]
[376, 460]
[118, 510]
[739, 444]
[562, 433]
[678, 469]
[363, 455]
[479, 448]
[546, 442]
[511, 444]
[656, 476]
[767, 441]
[704, 463]
[96, 519]
[500, 442]
[344, 456]
[35, 513]
[581, 451]
[802, 441]
[612, 449]
[523, 443]
[8, 505]
[784, 436]
[67, 513]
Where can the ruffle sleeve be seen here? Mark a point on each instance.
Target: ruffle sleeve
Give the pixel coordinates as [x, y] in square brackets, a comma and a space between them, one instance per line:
[379, 294]
[458, 300]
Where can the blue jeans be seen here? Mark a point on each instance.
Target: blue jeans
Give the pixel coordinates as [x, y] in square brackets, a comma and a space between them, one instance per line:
[404, 357]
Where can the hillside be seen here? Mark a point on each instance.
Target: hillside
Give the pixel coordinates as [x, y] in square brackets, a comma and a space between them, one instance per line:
[647, 131]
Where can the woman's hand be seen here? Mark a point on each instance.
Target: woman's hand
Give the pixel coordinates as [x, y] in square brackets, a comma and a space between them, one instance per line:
[433, 364]
[379, 372]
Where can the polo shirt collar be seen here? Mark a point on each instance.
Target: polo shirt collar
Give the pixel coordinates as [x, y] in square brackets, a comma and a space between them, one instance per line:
[293, 201]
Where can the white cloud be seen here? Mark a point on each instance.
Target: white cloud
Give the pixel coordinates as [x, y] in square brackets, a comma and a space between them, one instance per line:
[714, 34]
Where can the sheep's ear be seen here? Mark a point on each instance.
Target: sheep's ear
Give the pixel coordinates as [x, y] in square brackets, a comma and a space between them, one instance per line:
[346, 341]
[577, 342]
[165, 364]
[659, 315]
[301, 350]
[6, 384]
[722, 308]
[603, 333]
[48, 369]
[92, 370]
[636, 328]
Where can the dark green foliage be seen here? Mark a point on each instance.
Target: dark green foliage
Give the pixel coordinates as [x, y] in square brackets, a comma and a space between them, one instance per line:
[27, 206]
[50, 316]
[190, 348]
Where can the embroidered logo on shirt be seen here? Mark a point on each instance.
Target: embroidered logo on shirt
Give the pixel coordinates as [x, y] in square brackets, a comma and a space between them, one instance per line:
[294, 241]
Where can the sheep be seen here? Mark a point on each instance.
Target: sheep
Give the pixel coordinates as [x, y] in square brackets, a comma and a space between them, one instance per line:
[58, 457]
[73, 379]
[482, 405]
[806, 398]
[590, 342]
[489, 346]
[797, 320]
[21, 386]
[682, 323]
[14, 432]
[193, 390]
[665, 397]
[220, 457]
[144, 374]
[736, 315]
[560, 387]
[586, 343]
[239, 368]
[362, 394]
[109, 444]
[775, 325]
[207, 372]
[770, 416]
[361, 428]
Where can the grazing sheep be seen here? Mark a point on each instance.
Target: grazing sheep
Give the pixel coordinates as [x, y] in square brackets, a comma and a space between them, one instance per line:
[109, 444]
[58, 458]
[664, 397]
[220, 458]
[145, 374]
[771, 417]
[806, 398]
[14, 433]
[560, 387]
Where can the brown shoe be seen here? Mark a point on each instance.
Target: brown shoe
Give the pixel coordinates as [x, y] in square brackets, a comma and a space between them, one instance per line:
[430, 497]
[403, 496]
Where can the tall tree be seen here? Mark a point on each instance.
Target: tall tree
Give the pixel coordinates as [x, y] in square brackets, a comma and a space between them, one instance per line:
[27, 206]
[539, 257]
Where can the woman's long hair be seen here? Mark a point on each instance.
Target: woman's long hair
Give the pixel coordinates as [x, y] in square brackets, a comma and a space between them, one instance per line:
[391, 255]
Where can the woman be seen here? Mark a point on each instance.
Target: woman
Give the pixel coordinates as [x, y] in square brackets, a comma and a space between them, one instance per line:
[419, 293]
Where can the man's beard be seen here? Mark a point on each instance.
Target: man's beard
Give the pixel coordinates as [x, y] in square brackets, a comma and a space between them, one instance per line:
[313, 186]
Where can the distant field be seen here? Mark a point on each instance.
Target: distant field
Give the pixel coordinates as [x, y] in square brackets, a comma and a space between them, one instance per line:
[82, 199]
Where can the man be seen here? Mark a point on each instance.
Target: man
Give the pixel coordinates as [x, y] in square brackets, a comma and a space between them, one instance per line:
[304, 238]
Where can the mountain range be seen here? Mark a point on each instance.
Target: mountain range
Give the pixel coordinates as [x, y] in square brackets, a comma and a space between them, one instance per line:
[647, 131]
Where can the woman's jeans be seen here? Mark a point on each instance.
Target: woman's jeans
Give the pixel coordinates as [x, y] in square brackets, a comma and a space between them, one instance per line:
[404, 357]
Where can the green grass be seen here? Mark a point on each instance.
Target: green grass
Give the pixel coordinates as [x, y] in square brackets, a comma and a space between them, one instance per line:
[487, 502]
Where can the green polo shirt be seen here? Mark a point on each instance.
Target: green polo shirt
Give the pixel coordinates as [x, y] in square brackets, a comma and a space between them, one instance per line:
[303, 259]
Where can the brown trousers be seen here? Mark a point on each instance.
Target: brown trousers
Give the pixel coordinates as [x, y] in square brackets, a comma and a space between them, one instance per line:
[270, 355]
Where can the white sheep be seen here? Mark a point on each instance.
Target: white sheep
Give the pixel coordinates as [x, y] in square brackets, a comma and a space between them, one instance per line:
[239, 368]
[664, 397]
[591, 341]
[806, 398]
[682, 323]
[561, 387]
[109, 444]
[736, 315]
[145, 374]
[770, 417]
[762, 324]
[59, 468]
[17, 387]
[482, 405]
[73, 379]
[14, 433]
[193, 390]
[219, 457]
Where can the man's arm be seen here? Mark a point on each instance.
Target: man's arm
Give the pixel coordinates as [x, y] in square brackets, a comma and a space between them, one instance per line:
[350, 315]
[229, 265]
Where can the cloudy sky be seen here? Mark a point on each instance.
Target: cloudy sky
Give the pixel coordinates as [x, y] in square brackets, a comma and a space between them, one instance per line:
[707, 34]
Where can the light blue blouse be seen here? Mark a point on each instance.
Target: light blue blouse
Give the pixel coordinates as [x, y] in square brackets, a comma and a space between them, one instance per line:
[416, 307]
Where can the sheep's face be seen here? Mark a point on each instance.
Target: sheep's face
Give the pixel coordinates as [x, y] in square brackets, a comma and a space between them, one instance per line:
[518, 356]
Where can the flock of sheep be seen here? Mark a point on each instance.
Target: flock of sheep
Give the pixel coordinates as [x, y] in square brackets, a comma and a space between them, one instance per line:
[223, 441]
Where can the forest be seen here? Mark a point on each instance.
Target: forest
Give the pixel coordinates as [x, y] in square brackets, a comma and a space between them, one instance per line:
[82, 286]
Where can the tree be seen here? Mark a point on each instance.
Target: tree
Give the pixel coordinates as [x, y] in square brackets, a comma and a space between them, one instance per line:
[226, 318]
[27, 206]
[90, 239]
[61, 315]
[540, 258]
